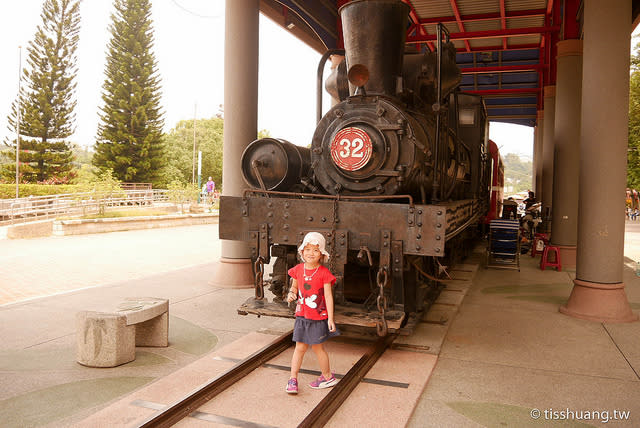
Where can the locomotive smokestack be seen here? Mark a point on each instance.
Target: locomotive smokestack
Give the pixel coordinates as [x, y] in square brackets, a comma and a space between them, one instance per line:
[374, 35]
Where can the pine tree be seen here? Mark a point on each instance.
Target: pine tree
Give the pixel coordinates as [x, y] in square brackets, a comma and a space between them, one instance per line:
[130, 132]
[46, 100]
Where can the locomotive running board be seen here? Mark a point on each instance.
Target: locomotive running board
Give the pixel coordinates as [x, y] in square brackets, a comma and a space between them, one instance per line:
[343, 314]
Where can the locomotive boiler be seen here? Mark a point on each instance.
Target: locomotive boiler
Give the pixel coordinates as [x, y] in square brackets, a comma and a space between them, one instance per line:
[395, 177]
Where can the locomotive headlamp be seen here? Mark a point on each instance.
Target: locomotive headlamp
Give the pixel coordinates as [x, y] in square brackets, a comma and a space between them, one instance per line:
[358, 75]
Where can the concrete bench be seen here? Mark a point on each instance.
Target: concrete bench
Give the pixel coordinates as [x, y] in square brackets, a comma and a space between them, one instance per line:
[109, 339]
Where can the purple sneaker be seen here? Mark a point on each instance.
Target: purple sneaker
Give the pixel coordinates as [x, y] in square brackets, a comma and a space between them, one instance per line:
[292, 386]
[321, 382]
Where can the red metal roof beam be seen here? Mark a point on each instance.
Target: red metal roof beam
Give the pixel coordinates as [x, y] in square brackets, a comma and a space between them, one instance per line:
[489, 34]
[494, 48]
[456, 12]
[501, 69]
[503, 91]
[503, 22]
[416, 20]
[484, 16]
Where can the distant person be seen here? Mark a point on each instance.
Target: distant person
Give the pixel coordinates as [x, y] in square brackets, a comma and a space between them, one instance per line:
[211, 186]
[530, 200]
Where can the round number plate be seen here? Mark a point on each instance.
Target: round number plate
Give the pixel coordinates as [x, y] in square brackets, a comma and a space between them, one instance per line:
[351, 149]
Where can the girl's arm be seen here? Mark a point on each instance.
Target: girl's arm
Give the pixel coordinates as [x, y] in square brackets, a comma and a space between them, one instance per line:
[293, 291]
[328, 298]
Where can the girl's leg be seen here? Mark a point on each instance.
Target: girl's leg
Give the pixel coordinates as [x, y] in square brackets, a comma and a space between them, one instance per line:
[323, 359]
[296, 360]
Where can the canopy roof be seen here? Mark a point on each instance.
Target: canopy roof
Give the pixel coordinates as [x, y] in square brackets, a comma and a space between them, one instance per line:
[506, 48]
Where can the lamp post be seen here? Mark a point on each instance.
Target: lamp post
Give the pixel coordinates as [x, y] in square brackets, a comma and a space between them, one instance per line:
[193, 158]
[199, 172]
[18, 124]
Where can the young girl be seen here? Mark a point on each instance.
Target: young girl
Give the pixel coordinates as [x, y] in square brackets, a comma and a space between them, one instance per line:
[311, 286]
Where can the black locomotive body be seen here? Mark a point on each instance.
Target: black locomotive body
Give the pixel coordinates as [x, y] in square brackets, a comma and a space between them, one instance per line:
[396, 177]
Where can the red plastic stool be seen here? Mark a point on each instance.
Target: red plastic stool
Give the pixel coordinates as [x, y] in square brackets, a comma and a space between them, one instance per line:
[544, 262]
[539, 237]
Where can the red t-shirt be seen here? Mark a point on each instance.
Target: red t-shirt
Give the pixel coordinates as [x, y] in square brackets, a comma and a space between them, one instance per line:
[311, 302]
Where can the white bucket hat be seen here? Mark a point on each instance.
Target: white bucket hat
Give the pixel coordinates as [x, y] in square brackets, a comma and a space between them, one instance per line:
[314, 238]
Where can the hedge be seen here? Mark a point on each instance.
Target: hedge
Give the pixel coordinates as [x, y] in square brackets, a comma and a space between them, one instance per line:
[8, 191]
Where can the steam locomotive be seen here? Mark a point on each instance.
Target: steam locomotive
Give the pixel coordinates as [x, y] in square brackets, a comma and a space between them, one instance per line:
[397, 178]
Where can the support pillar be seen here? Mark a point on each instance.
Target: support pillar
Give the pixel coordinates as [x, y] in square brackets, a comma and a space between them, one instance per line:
[240, 125]
[547, 155]
[566, 162]
[598, 293]
[537, 156]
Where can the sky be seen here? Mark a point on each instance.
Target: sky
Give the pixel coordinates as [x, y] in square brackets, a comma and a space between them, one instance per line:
[189, 48]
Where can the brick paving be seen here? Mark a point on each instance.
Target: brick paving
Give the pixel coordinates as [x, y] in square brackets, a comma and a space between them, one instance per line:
[38, 267]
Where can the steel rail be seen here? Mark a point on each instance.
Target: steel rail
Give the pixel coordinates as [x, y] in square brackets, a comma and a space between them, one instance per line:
[184, 406]
[321, 414]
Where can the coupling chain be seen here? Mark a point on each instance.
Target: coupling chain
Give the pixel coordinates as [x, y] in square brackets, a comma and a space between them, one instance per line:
[259, 279]
[382, 278]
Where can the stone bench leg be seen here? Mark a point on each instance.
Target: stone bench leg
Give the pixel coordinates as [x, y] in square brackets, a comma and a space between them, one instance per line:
[154, 332]
[104, 339]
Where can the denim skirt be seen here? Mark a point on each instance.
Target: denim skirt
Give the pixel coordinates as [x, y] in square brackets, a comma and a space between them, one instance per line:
[312, 332]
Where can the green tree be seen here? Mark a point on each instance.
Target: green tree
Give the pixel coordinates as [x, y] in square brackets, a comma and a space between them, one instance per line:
[130, 140]
[100, 187]
[517, 173]
[84, 169]
[46, 101]
[181, 193]
[179, 151]
[633, 153]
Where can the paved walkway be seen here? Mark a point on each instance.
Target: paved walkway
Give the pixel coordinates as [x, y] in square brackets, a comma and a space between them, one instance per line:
[39, 267]
[507, 351]
[511, 359]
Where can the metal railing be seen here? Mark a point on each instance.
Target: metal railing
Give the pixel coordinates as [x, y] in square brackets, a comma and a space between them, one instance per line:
[32, 208]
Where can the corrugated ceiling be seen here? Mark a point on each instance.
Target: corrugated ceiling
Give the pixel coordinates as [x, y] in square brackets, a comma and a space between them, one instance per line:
[511, 39]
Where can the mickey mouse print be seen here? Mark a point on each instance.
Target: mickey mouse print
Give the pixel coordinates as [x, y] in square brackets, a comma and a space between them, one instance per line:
[311, 302]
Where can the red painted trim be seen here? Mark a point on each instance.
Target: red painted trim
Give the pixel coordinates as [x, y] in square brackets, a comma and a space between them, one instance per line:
[540, 83]
[500, 48]
[340, 42]
[553, 64]
[490, 33]
[503, 68]
[416, 20]
[504, 91]
[456, 12]
[503, 22]
[484, 16]
[571, 24]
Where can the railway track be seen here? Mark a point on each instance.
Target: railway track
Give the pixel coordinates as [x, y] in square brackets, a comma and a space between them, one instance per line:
[317, 417]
